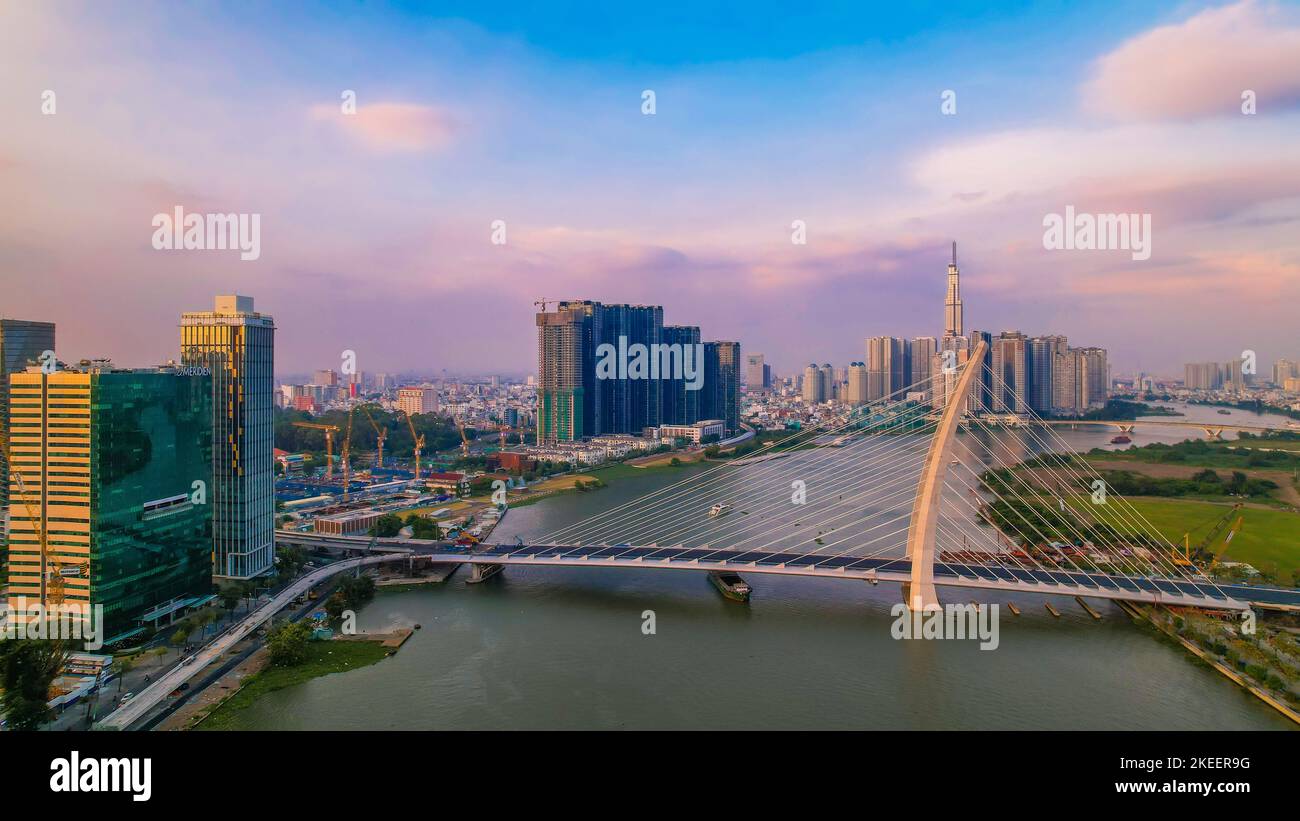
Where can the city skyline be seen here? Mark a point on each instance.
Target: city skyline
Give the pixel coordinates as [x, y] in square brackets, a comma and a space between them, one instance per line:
[599, 199]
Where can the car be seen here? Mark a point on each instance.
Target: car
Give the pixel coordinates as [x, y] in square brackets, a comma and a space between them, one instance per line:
[126, 699]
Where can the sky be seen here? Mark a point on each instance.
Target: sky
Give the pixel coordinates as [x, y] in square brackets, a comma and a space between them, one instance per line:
[377, 226]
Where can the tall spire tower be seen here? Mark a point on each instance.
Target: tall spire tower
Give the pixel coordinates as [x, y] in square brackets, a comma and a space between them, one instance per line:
[952, 325]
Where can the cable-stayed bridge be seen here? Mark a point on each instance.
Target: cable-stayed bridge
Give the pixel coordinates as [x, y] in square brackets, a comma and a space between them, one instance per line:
[890, 492]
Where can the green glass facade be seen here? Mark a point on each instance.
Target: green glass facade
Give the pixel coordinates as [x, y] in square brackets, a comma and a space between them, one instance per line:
[151, 440]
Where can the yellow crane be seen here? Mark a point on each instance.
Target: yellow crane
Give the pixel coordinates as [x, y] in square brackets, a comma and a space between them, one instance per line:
[330, 430]
[419, 445]
[464, 440]
[1201, 552]
[347, 457]
[380, 433]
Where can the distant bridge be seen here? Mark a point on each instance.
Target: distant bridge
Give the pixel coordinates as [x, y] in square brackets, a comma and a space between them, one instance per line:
[1212, 430]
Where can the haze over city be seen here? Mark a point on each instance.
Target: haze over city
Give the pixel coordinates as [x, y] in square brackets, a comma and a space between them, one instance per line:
[382, 221]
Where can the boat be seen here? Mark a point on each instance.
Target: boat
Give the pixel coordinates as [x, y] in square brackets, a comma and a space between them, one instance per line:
[719, 509]
[1120, 440]
[1223, 412]
[730, 585]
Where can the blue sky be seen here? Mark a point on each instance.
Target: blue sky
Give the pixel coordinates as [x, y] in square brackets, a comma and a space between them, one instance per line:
[766, 114]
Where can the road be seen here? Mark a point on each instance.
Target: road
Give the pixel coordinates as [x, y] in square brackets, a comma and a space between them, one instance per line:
[149, 698]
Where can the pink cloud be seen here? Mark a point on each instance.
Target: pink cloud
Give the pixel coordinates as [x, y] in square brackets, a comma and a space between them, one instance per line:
[393, 126]
[1201, 66]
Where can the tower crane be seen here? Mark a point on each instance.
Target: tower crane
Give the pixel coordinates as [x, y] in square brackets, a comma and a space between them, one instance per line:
[330, 430]
[464, 440]
[347, 457]
[419, 444]
[380, 433]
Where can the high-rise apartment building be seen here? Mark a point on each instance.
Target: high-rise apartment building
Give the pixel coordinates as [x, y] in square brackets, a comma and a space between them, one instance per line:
[681, 404]
[575, 401]
[721, 398]
[889, 368]
[1284, 369]
[564, 406]
[1203, 376]
[814, 390]
[116, 476]
[922, 352]
[1040, 356]
[237, 345]
[856, 391]
[1009, 375]
[758, 377]
[414, 400]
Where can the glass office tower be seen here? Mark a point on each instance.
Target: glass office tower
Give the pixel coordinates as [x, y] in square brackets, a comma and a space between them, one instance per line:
[238, 346]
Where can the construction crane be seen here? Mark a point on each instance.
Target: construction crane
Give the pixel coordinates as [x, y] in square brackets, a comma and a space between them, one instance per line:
[419, 445]
[380, 433]
[330, 430]
[1201, 552]
[347, 457]
[464, 440]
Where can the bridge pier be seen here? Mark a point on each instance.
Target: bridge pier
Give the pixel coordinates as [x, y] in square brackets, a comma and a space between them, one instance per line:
[482, 572]
[1125, 429]
[1213, 433]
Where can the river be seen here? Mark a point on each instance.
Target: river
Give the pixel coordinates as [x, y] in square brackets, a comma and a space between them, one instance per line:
[565, 648]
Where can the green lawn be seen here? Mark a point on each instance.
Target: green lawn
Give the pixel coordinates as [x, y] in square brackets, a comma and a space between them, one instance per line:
[1268, 539]
[323, 658]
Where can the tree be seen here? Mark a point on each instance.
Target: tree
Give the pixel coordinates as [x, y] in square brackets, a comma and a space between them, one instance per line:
[287, 643]
[26, 670]
[387, 526]
[178, 638]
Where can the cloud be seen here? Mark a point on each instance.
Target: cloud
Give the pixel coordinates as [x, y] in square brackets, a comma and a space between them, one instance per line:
[1200, 67]
[400, 127]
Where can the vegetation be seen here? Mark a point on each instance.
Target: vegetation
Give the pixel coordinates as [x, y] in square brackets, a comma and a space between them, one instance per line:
[352, 592]
[439, 432]
[1207, 484]
[1244, 453]
[287, 643]
[1123, 410]
[321, 659]
[26, 670]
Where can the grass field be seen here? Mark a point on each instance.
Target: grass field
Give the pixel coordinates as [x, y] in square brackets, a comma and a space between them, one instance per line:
[323, 658]
[1268, 539]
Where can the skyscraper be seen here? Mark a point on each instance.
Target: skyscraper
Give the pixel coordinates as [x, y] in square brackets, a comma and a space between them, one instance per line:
[923, 349]
[237, 345]
[21, 344]
[1009, 374]
[1040, 356]
[952, 310]
[856, 393]
[565, 408]
[116, 475]
[721, 398]
[813, 390]
[681, 405]
[889, 367]
[757, 376]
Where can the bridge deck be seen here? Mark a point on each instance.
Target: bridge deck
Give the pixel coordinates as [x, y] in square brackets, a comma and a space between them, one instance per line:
[1187, 592]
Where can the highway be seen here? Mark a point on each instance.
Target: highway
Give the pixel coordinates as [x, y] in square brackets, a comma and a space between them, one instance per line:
[149, 698]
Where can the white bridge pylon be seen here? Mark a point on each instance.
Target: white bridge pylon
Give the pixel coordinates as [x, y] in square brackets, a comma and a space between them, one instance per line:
[919, 593]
